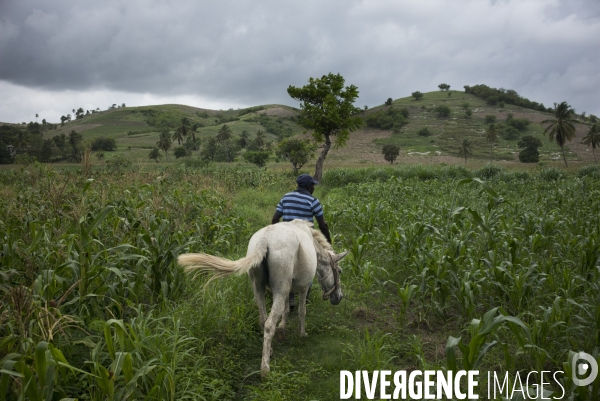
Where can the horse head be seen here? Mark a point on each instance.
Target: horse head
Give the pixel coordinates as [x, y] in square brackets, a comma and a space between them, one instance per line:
[329, 277]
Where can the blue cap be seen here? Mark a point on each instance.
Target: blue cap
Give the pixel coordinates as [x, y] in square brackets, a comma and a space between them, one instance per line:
[305, 180]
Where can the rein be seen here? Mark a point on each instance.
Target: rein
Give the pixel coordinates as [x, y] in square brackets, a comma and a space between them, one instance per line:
[336, 278]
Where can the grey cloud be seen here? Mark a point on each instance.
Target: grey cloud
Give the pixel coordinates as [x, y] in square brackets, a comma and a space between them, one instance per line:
[247, 52]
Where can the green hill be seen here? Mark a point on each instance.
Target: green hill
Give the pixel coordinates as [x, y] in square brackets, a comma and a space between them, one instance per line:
[415, 125]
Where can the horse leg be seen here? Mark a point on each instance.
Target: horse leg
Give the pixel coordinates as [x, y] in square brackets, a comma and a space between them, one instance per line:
[302, 312]
[285, 314]
[259, 298]
[270, 325]
[258, 285]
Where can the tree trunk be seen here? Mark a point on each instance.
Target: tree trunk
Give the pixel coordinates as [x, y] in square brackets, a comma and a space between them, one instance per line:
[564, 156]
[321, 159]
[594, 153]
[491, 149]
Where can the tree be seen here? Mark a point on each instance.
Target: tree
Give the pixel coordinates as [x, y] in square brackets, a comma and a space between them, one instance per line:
[296, 151]
[530, 153]
[74, 140]
[209, 150]
[182, 131]
[491, 135]
[465, 149]
[388, 102]
[328, 111]
[390, 152]
[259, 158]
[444, 87]
[592, 138]
[164, 142]
[260, 137]
[178, 135]
[417, 95]
[227, 149]
[561, 127]
[243, 139]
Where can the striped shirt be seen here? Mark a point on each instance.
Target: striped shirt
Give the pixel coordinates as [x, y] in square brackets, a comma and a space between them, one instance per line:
[299, 204]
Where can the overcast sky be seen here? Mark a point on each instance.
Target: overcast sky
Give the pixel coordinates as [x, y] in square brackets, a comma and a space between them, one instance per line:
[63, 54]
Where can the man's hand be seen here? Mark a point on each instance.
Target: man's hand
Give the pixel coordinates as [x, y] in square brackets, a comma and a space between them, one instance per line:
[324, 228]
[276, 217]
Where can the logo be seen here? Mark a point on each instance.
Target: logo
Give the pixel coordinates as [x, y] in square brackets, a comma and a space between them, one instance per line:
[584, 364]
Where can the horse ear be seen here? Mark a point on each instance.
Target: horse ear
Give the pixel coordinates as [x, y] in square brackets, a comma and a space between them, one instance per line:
[340, 256]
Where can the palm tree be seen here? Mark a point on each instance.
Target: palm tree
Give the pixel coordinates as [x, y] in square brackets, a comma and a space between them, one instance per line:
[243, 139]
[465, 149]
[561, 127]
[491, 134]
[592, 138]
[260, 138]
[164, 142]
[178, 135]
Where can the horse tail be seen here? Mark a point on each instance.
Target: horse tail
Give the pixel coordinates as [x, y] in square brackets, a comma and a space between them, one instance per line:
[221, 267]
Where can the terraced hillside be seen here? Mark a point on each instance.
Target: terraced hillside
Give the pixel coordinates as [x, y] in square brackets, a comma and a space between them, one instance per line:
[136, 130]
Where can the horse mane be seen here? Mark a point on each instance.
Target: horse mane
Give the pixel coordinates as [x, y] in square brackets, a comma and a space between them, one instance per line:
[320, 240]
[318, 237]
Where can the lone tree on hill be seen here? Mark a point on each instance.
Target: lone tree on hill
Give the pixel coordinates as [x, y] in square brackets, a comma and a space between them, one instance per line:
[465, 150]
[592, 138]
[390, 152]
[561, 127]
[417, 95]
[444, 87]
[491, 134]
[388, 102]
[327, 110]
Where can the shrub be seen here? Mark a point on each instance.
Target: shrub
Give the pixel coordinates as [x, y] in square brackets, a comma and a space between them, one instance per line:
[181, 152]
[117, 164]
[529, 155]
[489, 171]
[551, 174]
[390, 118]
[442, 111]
[510, 134]
[106, 144]
[490, 119]
[589, 171]
[417, 95]
[518, 123]
[259, 158]
[388, 102]
[424, 132]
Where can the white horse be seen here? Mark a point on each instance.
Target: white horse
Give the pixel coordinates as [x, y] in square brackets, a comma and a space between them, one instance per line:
[283, 257]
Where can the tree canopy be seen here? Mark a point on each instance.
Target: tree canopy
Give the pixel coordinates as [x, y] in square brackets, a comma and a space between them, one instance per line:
[328, 111]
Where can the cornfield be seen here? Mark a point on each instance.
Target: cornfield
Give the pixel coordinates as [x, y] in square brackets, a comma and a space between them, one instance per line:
[503, 266]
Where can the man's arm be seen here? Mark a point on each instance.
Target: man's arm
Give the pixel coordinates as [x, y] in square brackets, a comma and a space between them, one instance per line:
[324, 228]
[276, 217]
